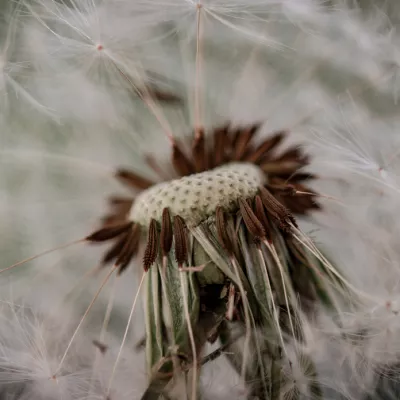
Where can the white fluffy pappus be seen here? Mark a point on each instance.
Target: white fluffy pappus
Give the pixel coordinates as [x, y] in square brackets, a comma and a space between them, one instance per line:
[29, 353]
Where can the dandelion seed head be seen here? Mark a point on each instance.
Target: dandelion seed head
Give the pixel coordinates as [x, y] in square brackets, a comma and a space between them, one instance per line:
[196, 197]
[91, 57]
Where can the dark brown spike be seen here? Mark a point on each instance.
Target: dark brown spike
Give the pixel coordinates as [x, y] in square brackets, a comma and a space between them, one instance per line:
[282, 190]
[119, 201]
[129, 250]
[183, 166]
[303, 201]
[199, 151]
[133, 180]
[222, 232]
[294, 153]
[125, 255]
[234, 135]
[221, 145]
[262, 217]
[301, 204]
[150, 253]
[109, 232]
[265, 148]
[293, 178]
[277, 211]
[166, 232]
[111, 219]
[162, 96]
[181, 250]
[254, 226]
[281, 167]
[115, 250]
[242, 142]
[121, 207]
[101, 346]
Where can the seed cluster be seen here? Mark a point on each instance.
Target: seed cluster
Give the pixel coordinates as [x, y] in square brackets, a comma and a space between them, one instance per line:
[227, 173]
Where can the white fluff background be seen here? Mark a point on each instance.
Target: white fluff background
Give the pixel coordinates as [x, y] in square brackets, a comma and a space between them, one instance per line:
[328, 71]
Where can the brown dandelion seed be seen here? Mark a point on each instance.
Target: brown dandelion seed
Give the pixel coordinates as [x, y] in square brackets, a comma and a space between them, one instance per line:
[120, 208]
[221, 144]
[133, 180]
[129, 249]
[277, 211]
[242, 142]
[287, 163]
[181, 250]
[251, 221]
[265, 148]
[280, 167]
[222, 232]
[101, 346]
[115, 250]
[297, 177]
[161, 96]
[199, 151]
[166, 235]
[109, 232]
[120, 202]
[294, 153]
[282, 190]
[183, 166]
[150, 253]
[259, 211]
